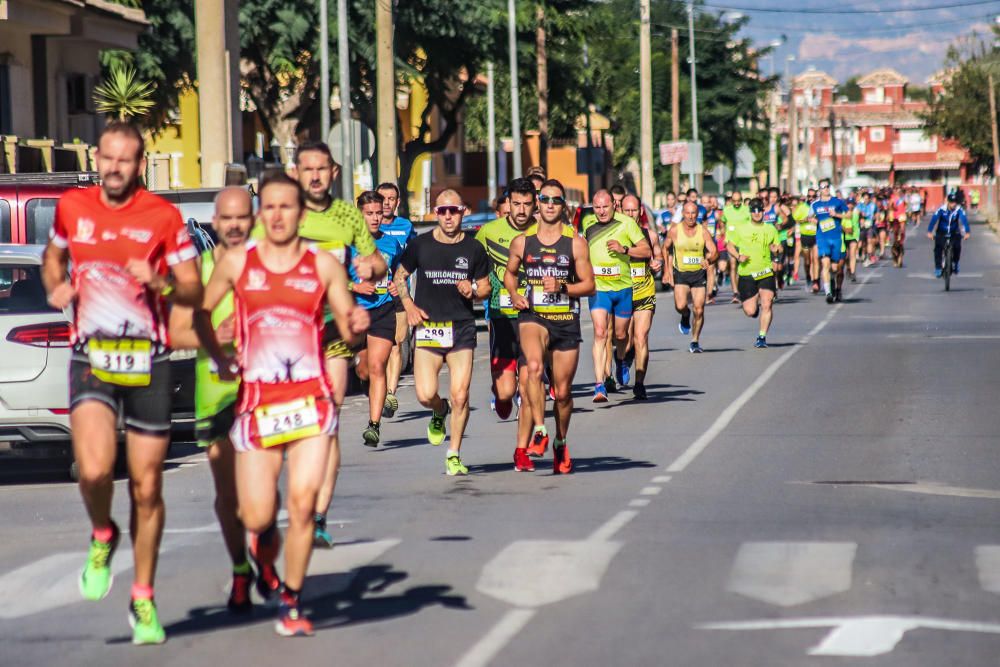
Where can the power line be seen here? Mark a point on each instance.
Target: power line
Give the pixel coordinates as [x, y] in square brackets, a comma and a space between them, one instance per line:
[851, 10]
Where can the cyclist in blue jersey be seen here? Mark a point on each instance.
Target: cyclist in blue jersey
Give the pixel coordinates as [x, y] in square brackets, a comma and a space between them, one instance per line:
[829, 215]
[403, 232]
[949, 220]
[378, 298]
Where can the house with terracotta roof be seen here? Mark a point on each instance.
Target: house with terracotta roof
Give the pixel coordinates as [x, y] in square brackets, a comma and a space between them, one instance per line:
[881, 136]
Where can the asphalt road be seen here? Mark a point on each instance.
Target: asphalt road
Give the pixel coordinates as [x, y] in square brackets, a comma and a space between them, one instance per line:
[831, 500]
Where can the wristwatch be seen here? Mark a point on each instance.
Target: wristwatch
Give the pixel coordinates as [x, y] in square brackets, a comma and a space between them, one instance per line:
[563, 288]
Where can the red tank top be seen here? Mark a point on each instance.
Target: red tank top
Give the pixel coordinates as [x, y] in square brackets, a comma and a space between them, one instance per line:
[279, 325]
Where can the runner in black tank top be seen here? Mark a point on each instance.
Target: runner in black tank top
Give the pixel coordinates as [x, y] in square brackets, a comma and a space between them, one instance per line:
[555, 265]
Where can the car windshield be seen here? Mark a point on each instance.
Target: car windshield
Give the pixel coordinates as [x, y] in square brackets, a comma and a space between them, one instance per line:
[21, 290]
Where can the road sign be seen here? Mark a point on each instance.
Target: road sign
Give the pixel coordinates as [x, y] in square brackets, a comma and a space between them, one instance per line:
[693, 162]
[721, 174]
[362, 143]
[673, 152]
[744, 162]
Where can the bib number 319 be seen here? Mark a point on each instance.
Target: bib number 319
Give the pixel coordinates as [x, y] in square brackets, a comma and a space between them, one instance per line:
[124, 362]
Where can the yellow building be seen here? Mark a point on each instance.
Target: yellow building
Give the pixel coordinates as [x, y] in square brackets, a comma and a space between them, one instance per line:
[174, 151]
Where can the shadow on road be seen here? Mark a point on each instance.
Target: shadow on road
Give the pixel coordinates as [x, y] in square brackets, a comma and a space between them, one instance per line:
[400, 444]
[581, 465]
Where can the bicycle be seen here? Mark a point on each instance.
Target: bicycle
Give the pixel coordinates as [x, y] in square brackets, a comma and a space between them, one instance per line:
[946, 257]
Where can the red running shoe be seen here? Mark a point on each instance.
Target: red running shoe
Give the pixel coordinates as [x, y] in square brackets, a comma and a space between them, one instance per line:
[521, 461]
[562, 464]
[291, 621]
[539, 444]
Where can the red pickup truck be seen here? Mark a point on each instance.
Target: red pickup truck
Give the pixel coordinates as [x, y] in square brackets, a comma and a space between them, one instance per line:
[28, 204]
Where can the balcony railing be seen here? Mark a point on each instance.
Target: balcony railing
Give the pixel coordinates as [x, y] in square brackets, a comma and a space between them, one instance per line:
[927, 146]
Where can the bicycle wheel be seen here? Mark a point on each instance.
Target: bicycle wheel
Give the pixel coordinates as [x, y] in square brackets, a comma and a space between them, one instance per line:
[946, 269]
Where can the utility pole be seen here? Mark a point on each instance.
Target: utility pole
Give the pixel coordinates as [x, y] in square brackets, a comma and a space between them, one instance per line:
[515, 104]
[835, 170]
[385, 92]
[542, 74]
[647, 184]
[214, 96]
[793, 144]
[996, 144]
[696, 178]
[675, 105]
[807, 142]
[491, 130]
[346, 169]
[324, 70]
[586, 122]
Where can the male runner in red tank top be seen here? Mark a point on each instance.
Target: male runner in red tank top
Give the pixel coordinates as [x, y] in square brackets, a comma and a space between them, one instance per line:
[285, 406]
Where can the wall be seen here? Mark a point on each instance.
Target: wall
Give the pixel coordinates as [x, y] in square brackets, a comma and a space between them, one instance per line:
[183, 138]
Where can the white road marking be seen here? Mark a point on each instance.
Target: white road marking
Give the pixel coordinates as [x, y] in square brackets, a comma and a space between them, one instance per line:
[919, 336]
[207, 528]
[859, 636]
[49, 582]
[487, 648]
[727, 416]
[792, 573]
[934, 489]
[638, 502]
[988, 565]
[661, 479]
[883, 318]
[608, 529]
[931, 276]
[650, 490]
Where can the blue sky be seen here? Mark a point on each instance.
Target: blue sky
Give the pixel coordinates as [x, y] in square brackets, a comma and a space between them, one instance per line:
[843, 41]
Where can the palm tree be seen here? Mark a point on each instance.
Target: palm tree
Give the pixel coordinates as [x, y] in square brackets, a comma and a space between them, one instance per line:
[122, 96]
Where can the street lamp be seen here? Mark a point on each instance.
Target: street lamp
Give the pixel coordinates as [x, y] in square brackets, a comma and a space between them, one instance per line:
[694, 94]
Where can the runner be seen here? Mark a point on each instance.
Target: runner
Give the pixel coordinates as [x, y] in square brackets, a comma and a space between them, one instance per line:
[128, 249]
[618, 193]
[694, 252]
[666, 216]
[916, 205]
[377, 298]
[614, 240]
[866, 220]
[827, 214]
[850, 243]
[807, 242]
[643, 297]
[285, 406]
[495, 237]
[335, 226]
[402, 230]
[215, 400]
[556, 266]
[734, 214]
[452, 270]
[750, 246]
[778, 215]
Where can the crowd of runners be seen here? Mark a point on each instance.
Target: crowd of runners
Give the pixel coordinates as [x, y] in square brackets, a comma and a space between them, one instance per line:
[297, 292]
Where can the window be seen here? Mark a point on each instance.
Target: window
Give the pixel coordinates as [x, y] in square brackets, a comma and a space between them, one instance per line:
[76, 94]
[875, 95]
[40, 215]
[21, 290]
[4, 222]
[876, 134]
[6, 121]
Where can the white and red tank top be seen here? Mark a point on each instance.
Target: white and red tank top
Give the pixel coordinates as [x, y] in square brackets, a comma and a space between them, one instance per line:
[279, 325]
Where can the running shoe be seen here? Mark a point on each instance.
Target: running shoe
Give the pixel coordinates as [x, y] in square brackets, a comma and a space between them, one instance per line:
[504, 408]
[321, 537]
[551, 395]
[829, 297]
[522, 463]
[695, 347]
[239, 593]
[96, 577]
[815, 287]
[453, 466]
[390, 406]
[684, 326]
[493, 403]
[435, 429]
[146, 628]
[562, 464]
[291, 621]
[600, 394]
[937, 273]
[795, 276]
[639, 392]
[955, 270]
[610, 384]
[761, 342]
[837, 296]
[620, 370]
[539, 444]
[372, 434]
[268, 583]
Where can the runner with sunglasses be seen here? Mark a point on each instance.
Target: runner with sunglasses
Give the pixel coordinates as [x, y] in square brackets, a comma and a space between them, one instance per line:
[452, 270]
[751, 245]
[694, 252]
[555, 265]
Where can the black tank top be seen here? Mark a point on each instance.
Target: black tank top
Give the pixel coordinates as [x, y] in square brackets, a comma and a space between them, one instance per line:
[555, 260]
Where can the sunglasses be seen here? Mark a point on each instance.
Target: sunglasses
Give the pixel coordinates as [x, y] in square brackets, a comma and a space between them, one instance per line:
[549, 199]
[754, 209]
[449, 210]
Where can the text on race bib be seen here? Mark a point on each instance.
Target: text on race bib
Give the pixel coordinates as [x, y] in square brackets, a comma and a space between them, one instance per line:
[764, 273]
[549, 302]
[281, 423]
[607, 271]
[125, 362]
[691, 260]
[436, 335]
[638, 271]
[828, 225]
[382, 286]
[506, 303]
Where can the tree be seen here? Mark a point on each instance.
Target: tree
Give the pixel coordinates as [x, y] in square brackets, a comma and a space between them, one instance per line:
[849, 89]
[962, 112]
[122, 94]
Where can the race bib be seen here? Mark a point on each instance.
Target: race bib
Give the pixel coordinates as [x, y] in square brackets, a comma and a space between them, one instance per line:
[691, 260]
[765, 273]
[828, 225]
[382, 286]
[809, 228]
[281, 423]
[607, 271]
[436, 335]
[506, 303]
[639, 271]
[125, 362]
[549, 302]
[335, 248]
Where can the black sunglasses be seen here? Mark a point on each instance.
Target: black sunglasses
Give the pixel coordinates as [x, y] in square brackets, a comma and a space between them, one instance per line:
[549, 199]
[449, 210]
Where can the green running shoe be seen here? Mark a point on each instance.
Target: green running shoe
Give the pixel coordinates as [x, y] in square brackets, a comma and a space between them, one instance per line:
[372, 435]
[453, 466]
[96, 578]
[435, 430]
[146, 628]
[390, 406]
